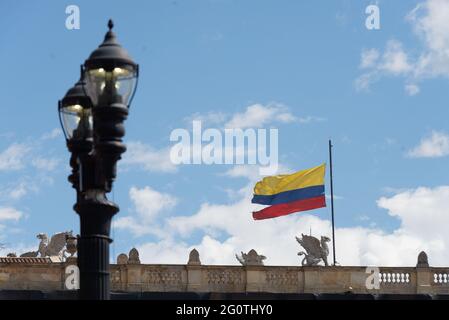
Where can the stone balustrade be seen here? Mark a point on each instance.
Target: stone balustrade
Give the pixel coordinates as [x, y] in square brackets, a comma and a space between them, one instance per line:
[129, 275]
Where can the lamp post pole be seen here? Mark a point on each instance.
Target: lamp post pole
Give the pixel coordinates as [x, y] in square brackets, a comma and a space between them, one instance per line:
[96, 214]
[92, 115]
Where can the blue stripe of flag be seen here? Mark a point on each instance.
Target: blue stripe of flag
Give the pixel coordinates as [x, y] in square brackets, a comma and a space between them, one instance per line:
[289, 196]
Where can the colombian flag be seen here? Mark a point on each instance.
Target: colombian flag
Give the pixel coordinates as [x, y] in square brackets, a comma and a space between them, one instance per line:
[288, 193]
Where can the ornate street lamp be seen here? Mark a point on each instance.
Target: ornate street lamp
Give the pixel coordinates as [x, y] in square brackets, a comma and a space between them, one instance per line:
[75, 115]
[111, 81]
[92, 115]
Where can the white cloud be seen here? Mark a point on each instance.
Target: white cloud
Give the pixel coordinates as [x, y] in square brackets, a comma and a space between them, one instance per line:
[56, 132]
[18, 191]
[17, 248]
[423, 212]
[394, 60]
[26, 155]
[168, 251]
[369, 58]
[9, 213]
[148, 158]
[12, 158]
[15, 191]
[364, 217]
[251, 172]
[336, 197]
[244, 171]
[363, 82]
[411, 89]
[257, 115]
[148, 204]
[309, 119]
[285, 117]
[133, 225]
[48, 164]
[436, 145]
[210, 118]
[429, 22]
[254, 116]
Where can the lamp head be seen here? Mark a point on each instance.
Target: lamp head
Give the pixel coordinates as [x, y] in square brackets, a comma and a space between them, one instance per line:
[75, 113]
[111, 75]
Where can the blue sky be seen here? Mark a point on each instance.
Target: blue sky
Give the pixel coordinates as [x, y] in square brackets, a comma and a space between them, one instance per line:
[379, 94]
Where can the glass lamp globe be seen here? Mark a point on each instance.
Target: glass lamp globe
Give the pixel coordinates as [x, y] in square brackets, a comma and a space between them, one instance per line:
[111, 75]
[75, 113]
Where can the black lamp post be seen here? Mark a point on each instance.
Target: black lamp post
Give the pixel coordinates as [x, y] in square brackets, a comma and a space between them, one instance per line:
[92, 115]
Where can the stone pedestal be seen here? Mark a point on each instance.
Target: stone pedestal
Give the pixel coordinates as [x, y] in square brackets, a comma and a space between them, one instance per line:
[423, 280]
[194, 278]
[255, 278]
[133, 277]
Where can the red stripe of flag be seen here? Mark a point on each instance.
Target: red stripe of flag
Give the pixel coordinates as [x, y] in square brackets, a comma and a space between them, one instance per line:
[283, 209]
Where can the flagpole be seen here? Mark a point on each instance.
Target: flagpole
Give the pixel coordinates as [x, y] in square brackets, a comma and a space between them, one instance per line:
[332, 201]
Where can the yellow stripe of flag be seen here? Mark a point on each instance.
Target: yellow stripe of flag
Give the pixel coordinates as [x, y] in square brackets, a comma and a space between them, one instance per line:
[287, 182]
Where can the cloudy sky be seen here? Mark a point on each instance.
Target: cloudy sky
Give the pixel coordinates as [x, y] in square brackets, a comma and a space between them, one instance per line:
[310, 69]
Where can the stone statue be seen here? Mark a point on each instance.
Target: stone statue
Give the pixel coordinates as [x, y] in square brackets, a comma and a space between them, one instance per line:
[30, 254]
[315, 250]
[122, 258]
[194, 258]
[251, 258]
[71, 245]
[133, 256]
[423, 261]
[54, 247]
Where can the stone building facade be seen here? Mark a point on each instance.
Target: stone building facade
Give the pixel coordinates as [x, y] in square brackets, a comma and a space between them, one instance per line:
[130, 275]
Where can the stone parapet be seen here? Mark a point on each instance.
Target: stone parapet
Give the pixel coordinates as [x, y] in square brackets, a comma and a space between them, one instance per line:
[45, 275]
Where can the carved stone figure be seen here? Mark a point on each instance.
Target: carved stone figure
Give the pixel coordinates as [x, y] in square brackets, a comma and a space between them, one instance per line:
[251, 258]
[30, 254]
[133, 256]
[316, 250]
[122, 258]
[423, 261]
[194, 257]
[54, 247]
[71, 245]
